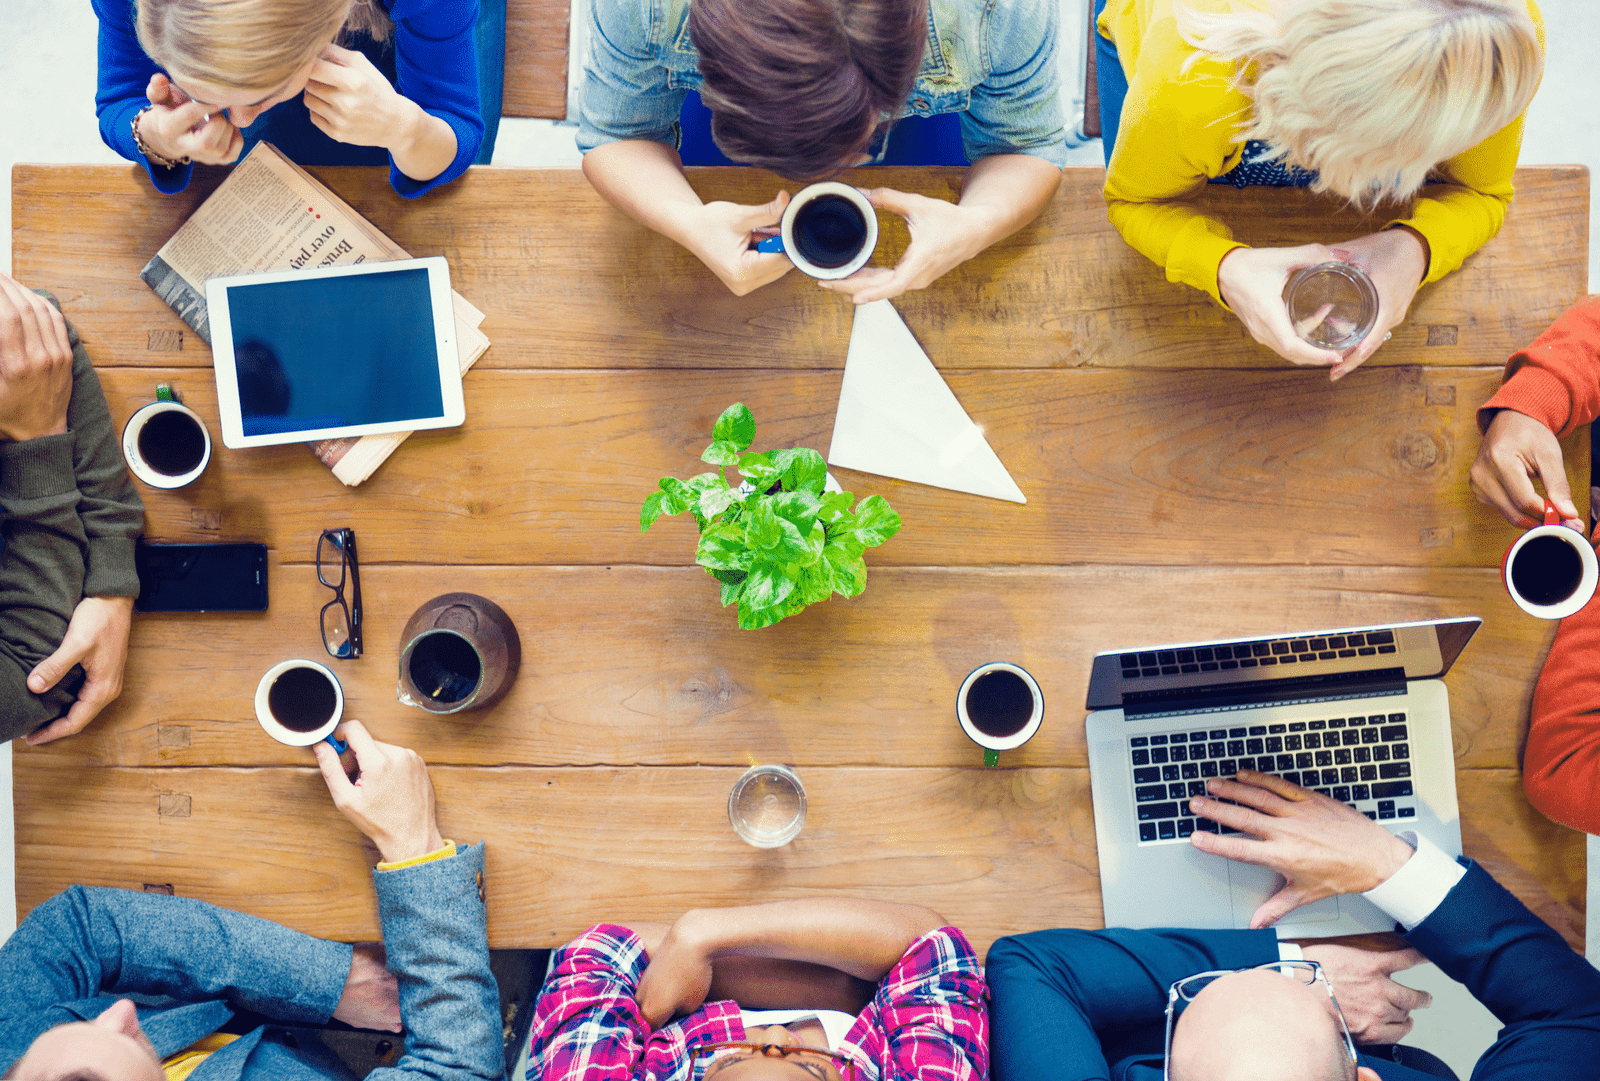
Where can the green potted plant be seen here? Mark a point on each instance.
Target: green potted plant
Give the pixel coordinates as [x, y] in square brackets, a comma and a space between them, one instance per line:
[779, 541]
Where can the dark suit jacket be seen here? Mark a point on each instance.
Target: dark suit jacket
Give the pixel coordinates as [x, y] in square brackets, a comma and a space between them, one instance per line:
[1080, 1005]
[191, 966]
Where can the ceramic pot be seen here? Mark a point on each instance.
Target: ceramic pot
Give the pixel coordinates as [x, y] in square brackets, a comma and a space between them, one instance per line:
[458, 652]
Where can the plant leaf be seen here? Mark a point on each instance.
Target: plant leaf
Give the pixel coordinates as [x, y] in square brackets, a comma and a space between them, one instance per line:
[763, 528]
[768, 584]
[751, 619]
[848, 569]
[798, 507]
[713, 501]
[736, 425]
[804, 470]
[834, 508]
[722, 547]
[721, 452]
[759, 470]
[815, 583]
[731, 591]
[676, 495]
[875, 522]
[651, 510]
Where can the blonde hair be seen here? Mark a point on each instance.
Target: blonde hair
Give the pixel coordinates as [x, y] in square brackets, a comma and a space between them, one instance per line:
[249, 45]
[1373, 94]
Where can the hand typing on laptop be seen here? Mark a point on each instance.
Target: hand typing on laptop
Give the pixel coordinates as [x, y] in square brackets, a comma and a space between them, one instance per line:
[1320, 846]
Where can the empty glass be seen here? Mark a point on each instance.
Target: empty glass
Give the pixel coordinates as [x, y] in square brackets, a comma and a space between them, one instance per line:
[1332, 305]
[767, 806]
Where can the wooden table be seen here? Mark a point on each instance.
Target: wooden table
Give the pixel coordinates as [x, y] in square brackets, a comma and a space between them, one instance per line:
[1182, 482]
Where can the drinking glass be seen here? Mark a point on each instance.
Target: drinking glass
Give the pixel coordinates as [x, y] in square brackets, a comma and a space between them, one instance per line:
[1332, 305]
[767, 806]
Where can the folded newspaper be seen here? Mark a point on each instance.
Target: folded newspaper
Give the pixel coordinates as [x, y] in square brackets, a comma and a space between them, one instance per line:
[270, 214]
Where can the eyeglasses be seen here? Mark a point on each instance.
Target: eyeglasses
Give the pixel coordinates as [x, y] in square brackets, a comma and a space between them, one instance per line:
[1303, 972]
[341, 621]
[846, 1065]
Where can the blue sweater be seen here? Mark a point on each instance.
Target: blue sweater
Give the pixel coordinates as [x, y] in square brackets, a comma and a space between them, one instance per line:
[432, 60]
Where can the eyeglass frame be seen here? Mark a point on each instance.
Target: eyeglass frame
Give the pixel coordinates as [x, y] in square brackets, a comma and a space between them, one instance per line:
[349, 571]
[1317, 976]
[848, 1073]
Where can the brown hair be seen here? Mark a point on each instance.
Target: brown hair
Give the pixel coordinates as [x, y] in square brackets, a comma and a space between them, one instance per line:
[797, 86]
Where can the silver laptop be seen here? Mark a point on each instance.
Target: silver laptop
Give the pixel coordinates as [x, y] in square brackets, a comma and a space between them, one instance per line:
[1359, 714]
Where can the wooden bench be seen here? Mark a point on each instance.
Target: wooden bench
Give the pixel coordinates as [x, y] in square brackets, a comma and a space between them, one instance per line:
[536, 58]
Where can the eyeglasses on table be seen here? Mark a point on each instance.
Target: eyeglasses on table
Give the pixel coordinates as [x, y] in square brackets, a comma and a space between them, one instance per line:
[341, 618]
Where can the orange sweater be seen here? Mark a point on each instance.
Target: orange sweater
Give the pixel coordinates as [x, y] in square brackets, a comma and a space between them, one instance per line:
[1556, 380]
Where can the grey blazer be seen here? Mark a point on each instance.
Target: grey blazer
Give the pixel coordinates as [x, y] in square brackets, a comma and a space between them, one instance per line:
[190, 966]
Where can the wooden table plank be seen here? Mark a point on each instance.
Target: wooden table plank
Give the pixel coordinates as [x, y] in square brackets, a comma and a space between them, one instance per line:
[568, 282]
[1182, 467]
[536, 59]
[994, 851]
[628, 665]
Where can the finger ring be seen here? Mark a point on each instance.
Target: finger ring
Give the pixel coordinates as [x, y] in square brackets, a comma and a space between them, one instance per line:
[1388, 335]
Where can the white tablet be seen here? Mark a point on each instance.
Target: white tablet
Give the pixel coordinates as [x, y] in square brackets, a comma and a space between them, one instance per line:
[315, 354]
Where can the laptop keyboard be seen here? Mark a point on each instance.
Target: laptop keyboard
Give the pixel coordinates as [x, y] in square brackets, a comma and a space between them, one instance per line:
[1362, 761]
[1267, 653]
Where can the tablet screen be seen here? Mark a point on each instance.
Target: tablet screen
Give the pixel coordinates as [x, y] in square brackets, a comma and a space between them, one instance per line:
[332, 352]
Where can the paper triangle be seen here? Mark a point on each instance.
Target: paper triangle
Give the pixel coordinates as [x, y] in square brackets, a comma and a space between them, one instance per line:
[898, 418]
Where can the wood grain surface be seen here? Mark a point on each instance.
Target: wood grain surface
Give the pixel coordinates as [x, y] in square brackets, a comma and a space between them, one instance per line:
[536, 59]
[1193, 467]
[994, 851]
[568, 282]
[1183, 483]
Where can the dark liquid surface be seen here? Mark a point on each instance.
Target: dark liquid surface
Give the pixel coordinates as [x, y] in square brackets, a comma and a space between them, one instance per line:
[301, 699]
[445, 667]
[829, 231]
[171, 443]
[999, 703]
[1546, 570]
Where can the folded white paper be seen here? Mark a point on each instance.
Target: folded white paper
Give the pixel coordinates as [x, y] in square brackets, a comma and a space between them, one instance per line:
[898, 418]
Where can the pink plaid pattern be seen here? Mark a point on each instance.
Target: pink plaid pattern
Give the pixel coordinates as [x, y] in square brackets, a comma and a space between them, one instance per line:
[928, 1021]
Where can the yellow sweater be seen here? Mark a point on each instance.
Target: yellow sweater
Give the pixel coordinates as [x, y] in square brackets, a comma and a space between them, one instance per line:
[1179, 129]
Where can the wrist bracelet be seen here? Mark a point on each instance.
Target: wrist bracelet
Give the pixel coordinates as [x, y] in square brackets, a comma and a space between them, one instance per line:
[150, 155]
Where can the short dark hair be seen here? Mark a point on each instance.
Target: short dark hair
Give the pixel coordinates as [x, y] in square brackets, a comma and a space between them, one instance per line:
[798, 86]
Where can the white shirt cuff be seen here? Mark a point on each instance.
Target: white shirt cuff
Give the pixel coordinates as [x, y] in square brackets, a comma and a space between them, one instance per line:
[1290, 951]
[1411, 894]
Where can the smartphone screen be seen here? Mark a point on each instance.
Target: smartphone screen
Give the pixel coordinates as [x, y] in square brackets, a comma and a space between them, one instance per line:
[201, 577]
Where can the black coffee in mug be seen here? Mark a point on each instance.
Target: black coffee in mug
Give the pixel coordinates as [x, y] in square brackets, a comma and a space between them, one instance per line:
[829, 231]
[301, 699]
[1546, 570]
[172, 443]
[999, 703]
[445, 667]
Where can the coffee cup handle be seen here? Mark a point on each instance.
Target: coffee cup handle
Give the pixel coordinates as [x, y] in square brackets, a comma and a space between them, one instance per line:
[991, 757]
[339, 746]
[772, 245]
[165, 393]
[1551, 515]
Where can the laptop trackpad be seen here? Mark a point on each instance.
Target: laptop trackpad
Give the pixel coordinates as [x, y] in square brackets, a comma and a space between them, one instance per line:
[1249, 885]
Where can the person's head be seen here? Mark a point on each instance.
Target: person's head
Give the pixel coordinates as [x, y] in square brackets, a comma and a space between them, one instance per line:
[1373, 94]
[109, 1048]
[247, 55]
[1259, 1025]
[800, 86]
[753, 1065]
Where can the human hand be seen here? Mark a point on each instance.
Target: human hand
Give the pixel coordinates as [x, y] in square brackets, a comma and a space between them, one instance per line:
[1376, 1008]
[1515, 450]
[371, 998]
[1320, 846]
[179, 128]
[1251, 282]
[1396, 261]
[351, 101]
[35, 365]
[678, 976]
[722, 235]
[97, 638]
[391, 799]
[943, 236]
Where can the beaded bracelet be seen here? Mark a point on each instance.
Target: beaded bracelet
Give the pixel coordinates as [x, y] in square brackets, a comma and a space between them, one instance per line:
[151, 155]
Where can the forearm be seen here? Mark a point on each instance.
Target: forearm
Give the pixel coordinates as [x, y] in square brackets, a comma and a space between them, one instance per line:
[766, 983]
[1010, 190]
[1556, 379]
[1561, 766]
[645, 180]
[859, 937]
[426, 146]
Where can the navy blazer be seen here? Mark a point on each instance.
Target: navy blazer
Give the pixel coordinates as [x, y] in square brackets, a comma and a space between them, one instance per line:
[1078, 1005]
[190, 966]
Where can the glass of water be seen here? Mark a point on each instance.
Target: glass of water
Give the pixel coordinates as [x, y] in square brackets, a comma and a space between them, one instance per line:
[1332, 305]
[767, 806]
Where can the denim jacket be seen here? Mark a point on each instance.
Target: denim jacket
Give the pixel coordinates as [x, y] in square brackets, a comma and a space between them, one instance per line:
[992, 61]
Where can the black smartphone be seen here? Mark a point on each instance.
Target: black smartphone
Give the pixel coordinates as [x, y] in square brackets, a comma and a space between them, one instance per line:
[201, 577]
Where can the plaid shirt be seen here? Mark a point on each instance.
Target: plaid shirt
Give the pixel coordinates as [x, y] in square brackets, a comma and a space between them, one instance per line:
[929, 1019]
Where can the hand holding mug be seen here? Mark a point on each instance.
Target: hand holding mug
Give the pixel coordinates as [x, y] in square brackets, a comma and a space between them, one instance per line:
[1517, 450]
[1396, 261]
[943, 236]
[1550, 571]
[1251, 282]
[723, 236]
[391, 798]
[178, 128]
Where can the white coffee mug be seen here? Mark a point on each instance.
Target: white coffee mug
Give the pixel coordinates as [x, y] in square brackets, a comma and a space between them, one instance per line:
[992, 745]
[796, 249]
[289, 736]
[166, 403]
[1540, 589]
